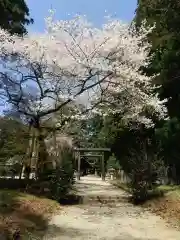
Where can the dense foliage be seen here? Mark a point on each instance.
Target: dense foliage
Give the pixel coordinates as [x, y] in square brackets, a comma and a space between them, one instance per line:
[61, 179]
[14, 139]
[164, 61]
[165, 49]
[14, 16]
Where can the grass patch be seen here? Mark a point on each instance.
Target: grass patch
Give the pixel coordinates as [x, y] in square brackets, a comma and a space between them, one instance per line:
[170, 189]
[24, 214]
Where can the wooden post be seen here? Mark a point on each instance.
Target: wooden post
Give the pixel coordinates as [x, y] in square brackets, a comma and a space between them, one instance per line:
[102, 168]
[79, 166]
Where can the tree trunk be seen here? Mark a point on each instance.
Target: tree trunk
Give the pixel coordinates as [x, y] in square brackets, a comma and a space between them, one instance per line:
[30, 150]
[42, 155]
[55, 155]
[22, 167]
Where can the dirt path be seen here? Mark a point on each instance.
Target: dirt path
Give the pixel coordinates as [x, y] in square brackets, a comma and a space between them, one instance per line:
[115, 221]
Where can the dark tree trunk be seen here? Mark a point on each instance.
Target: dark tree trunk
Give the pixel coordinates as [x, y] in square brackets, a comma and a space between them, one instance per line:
[42, 155]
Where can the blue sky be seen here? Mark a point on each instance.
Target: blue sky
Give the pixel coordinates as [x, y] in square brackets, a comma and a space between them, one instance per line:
[93, 9]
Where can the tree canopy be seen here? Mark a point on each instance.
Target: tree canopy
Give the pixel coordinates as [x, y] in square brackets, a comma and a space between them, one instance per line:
[14, 16]
[165, 50]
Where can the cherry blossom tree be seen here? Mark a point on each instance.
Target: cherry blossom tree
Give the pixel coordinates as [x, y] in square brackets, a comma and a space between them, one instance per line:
[75, 62]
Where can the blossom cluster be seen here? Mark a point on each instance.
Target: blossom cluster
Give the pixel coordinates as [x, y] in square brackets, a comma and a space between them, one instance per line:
[73, 57]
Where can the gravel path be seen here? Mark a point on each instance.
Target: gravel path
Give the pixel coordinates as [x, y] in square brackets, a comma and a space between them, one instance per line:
[115, 221]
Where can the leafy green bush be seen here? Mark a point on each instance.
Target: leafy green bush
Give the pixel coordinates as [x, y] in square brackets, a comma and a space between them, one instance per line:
[61, 181]
[113, 163]
[145, 165]
[139, 187]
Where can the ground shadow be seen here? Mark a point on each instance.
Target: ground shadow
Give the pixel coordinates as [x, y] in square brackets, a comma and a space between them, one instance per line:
[71, 199]
[71, 233]
[65, 232]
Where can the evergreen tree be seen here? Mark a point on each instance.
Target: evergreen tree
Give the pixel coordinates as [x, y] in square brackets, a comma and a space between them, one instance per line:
[14, 16]
[165, 52]
[165, 61]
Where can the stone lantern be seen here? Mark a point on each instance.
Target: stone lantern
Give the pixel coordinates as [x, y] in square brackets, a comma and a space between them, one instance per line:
[111, 173]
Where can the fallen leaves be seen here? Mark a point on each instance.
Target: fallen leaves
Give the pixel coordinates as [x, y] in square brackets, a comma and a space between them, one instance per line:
[167, 207]
[24, 213]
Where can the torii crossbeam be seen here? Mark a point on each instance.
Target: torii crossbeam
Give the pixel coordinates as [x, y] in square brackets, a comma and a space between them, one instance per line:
[101, 150]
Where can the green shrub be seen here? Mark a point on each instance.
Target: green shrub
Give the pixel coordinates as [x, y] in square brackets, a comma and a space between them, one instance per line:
[139, 188]
[61, 181]
[145, 165]
[113, 163]
[57, 173]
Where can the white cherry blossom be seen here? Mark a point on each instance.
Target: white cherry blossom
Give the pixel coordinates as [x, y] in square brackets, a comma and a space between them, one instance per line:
[73, 57]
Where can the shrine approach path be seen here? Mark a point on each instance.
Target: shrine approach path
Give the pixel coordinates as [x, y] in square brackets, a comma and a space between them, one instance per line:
[106, 214]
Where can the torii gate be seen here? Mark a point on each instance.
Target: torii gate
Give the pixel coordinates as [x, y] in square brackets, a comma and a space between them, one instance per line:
[82, 150]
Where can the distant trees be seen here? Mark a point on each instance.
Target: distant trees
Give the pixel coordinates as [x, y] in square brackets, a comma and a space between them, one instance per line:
[14, 138]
